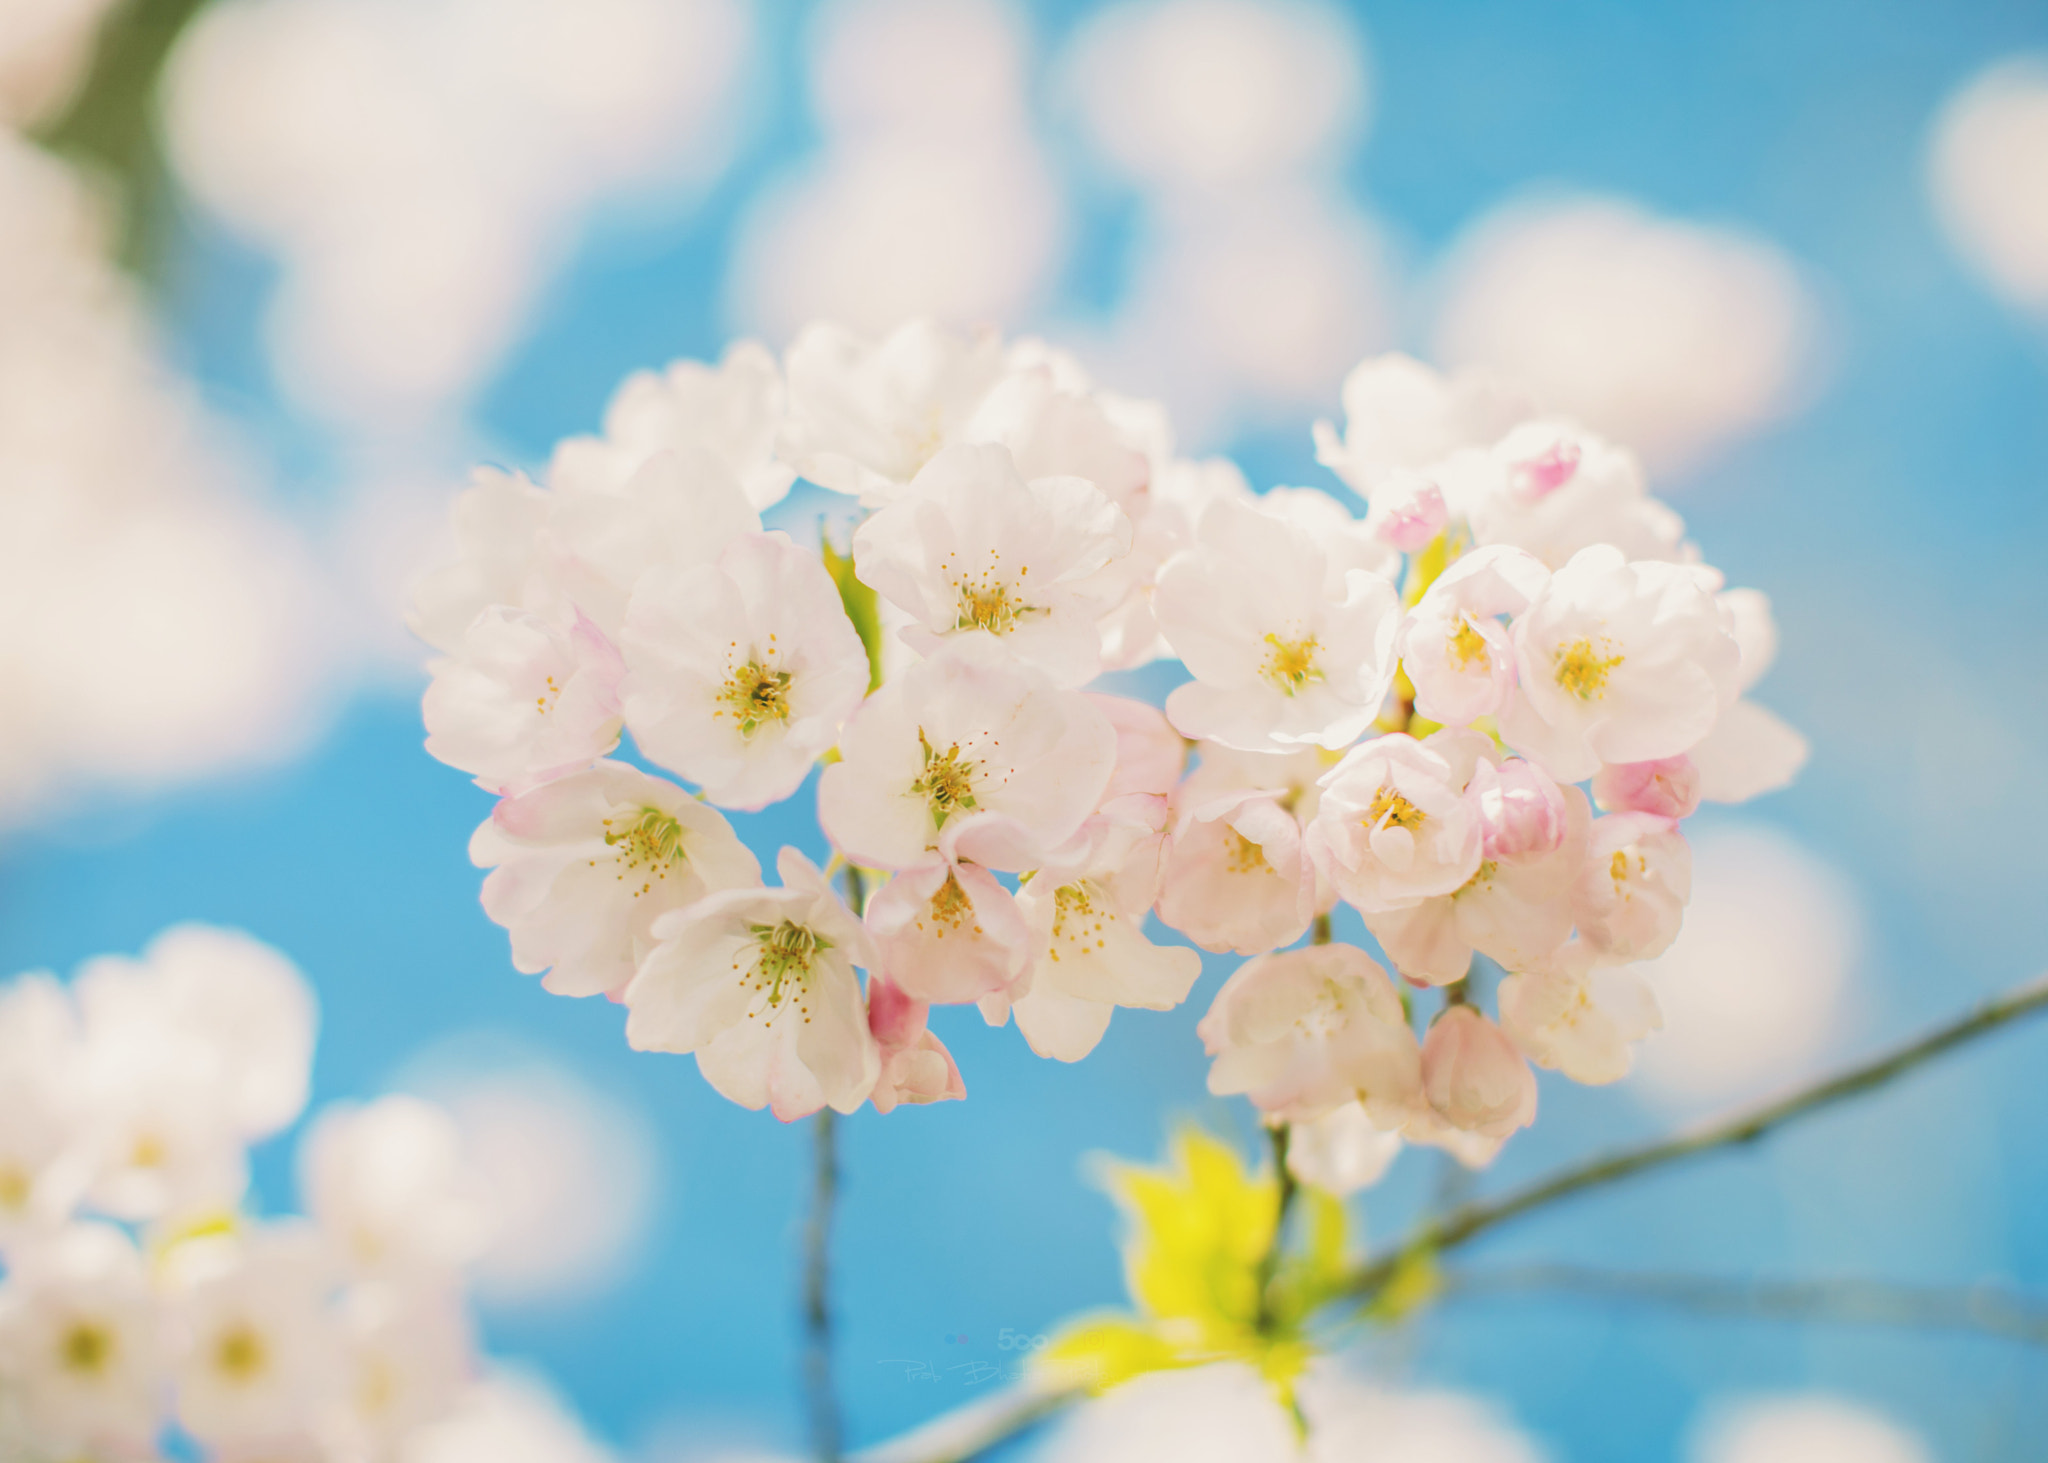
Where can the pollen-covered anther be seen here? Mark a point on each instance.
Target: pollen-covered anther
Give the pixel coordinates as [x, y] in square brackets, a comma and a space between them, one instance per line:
[1389, 809]
[1291, 664]
[1582, 669]
[755, 695]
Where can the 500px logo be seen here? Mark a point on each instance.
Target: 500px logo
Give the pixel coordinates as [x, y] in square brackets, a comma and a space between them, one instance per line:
[1009, 1340]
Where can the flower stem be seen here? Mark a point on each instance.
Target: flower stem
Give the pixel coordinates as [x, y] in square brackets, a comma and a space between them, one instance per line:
[1269, 1263]
[827, 1429]
[822, 1395]
[1472, 1220]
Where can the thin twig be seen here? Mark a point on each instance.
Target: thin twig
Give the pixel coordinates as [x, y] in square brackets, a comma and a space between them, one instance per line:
[1269, 1263]
[1986, 1310]
[953, 1440]
[1469, 1221]
[821, 1393]
[823, 1396]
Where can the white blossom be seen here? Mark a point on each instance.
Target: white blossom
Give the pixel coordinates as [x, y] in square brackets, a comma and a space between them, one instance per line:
[1474, 1078]
[583, 866]
[389, 1189]
[967, 731]
[733, 411]
[1286, 648]
[971, 549]
[1619, 662]
[1579, 1017]
[1237, 875]
[1394, 826]
[80, 1353]
[1552, 489]
[1453, 645]
[1342, 1151]
[524, 699]
[499, 559]
[1400, 414]
[865, 417]
[760, 985]
[740, 674]
[1303, 1032]
[1631, 891]
[1092, 955]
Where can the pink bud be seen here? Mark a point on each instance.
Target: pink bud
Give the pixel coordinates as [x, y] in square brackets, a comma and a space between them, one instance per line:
[1415, 522]
[916, 1067]
[1149, 752]
[1536, 478]
[1668, 787]
[1474, 1077]
[1522, 811]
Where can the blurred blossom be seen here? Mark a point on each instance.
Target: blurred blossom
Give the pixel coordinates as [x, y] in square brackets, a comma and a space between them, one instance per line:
[45, 49]
[1217, 93]
[1247, 306]
[931, 196]
[508, 1418]
[1752, 989]
[1676, 338]
[177, 625]
[1988, 170]
[1810, 1429]
[421, 165]
[1226, 1413]
[566, 1174]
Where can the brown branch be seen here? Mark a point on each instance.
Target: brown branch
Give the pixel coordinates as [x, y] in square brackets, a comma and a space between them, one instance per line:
[1982, 1309]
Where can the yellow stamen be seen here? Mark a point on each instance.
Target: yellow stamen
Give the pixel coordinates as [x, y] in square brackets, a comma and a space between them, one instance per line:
[1468, 646]
[1291, 664]
[240, 1354]
[87, 1348]
[947, 782]
[1388, 806]
[1582, 670]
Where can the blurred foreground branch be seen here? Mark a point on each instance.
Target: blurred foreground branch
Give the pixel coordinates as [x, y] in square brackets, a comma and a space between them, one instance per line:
[967, 1432]
[1983, 1310]
[1469, 1221]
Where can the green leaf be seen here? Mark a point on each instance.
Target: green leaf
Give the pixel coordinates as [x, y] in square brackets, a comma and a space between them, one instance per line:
[861, 605]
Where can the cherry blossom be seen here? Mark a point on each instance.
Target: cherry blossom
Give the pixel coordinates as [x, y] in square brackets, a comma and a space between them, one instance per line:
[1091, 952]
[524, 700]
[915, 1065]
[79, 1343]
[759, 984]
[1285, 647]
[387, 1187]
[1305, 1031]
[1453, 646]
[1552, 489]
[1579, 1017]
[1236, 874]
[1631, 890]
[1751, 750]
[1474, 1078]
[971, 549]
[733, 411]
[1620, 662]
[739, 675]
[1342, 1151]
[866, 416]
[497, 524]
[1400, 414]
[582, 867]
[1394, 826]
[967, 731]
[946, 930]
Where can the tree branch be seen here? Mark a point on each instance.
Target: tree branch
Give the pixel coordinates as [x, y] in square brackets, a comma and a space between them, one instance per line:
[1472, 1220]
[963, 1435]
[822, 1396]
[1985, 1310]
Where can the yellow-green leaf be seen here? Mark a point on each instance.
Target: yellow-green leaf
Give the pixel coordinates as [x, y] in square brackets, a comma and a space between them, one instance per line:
[862, 608]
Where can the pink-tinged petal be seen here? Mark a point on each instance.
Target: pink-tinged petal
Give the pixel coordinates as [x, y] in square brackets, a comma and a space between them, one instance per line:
[1474, 1077]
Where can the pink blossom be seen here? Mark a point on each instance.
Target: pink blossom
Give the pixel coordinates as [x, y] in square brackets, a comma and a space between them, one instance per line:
[1668, 787]
[1149, 752]
[1632, 889]
[916, 1067]
[1236, 875]
[1473, 1076]
[1535, 478]
[1415, 519]
[1522, 813]
[947, 931]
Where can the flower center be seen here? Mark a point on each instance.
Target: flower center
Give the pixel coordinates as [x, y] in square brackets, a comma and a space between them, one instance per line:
[783, 957]
[946, 783]
[1389, 807]
[651, 844]
[240, 1354]
[14, 1187]
[545, 702]
[755, 695]
[1291, 664]
[87, 1348]
[951, 908]
[1077, 919]
[1582, 670]
[1325, 1014]
[1468, 646]
[1245, 857]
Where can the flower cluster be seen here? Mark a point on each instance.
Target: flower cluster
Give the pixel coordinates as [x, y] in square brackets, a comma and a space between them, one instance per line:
[1476, 715]
[140, 1299]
